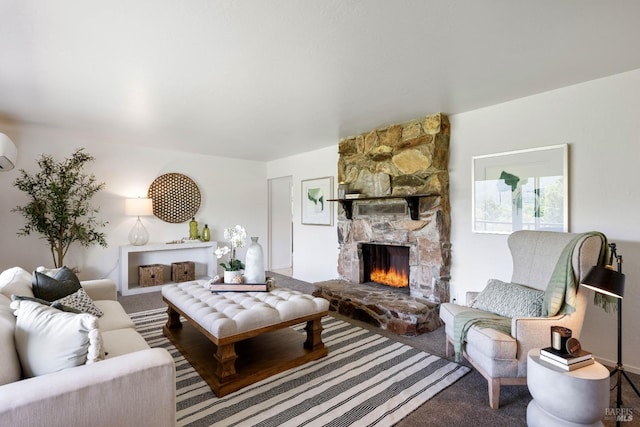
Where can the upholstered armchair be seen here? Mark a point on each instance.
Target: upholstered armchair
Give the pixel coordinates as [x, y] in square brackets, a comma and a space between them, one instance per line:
[500, 355]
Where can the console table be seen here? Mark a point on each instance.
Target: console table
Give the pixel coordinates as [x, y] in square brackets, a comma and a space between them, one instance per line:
[201, 253]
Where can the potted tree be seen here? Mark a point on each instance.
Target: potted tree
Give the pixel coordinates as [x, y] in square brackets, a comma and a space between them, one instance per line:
[59, 206]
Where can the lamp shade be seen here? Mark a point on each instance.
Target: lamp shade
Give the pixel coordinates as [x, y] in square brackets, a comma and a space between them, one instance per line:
[138, 207]
[605, 280]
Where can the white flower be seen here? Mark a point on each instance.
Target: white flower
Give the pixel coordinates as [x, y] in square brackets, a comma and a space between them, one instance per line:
[236, 236]
[222, 251]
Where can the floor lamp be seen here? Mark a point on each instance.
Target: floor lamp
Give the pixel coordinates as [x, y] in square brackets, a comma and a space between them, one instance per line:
[610, 282]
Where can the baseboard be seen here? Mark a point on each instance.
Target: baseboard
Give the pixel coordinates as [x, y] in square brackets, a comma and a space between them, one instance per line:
[612, 364]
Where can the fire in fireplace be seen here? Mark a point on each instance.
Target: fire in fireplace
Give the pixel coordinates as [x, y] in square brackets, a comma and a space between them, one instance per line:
[385, 264]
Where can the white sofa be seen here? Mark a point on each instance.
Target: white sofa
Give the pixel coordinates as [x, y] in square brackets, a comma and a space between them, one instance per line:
[133, 386]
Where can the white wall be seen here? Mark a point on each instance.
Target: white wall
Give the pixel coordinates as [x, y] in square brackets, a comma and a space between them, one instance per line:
[315, 247]
[233, 192]
[600, 122]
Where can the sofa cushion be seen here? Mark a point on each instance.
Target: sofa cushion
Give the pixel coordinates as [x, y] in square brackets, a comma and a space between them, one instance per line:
[122, 341]
[10, 370]
[49, 340]
[79, 300]
[492, 343]
[15, 281]
[50, 288]
[114, 316]
[509, 300]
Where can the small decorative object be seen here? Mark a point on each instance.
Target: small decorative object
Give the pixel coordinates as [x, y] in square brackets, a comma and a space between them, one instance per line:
[254, 269]
[315, 193]
[176, 197]
[59, 206]
[236, 237]
[206, 233]
[559, 337]
[193, 229]
[343, 189]
[138, 235]
[215, 279]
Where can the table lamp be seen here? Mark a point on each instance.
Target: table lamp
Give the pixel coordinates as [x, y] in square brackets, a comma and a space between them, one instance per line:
[609, 281]
[138, 235]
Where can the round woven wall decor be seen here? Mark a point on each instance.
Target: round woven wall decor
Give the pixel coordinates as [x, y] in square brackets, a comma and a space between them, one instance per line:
[176, 198]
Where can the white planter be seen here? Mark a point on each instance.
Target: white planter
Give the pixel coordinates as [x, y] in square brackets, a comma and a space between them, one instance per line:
[230, 275]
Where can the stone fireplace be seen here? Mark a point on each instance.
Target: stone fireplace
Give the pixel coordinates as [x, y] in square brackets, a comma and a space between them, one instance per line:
[400, 175]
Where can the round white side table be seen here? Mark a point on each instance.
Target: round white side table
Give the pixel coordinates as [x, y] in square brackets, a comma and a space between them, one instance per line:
[566, 398]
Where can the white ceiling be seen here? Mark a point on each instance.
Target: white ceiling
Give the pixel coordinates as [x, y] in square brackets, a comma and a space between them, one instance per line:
[265, 79]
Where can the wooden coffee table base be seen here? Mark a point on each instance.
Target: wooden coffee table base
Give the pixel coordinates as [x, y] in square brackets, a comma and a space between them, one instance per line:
[232, 363]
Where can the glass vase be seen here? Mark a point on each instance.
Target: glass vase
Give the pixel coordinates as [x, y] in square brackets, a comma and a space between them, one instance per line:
[254, 263]
[193, 229]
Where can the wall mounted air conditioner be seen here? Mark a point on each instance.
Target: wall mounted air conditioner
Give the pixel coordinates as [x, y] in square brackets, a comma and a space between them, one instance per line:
[8, 153]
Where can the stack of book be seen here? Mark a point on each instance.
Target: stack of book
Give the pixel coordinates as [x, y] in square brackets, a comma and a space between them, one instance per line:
[566, 361]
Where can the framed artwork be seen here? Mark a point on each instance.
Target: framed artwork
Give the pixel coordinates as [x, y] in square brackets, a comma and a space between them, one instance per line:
[521, 190]
[315, 208]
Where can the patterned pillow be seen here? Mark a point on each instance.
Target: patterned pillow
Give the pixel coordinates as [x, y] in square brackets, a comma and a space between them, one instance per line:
[509, 300]
[80, 301]
[56, 305]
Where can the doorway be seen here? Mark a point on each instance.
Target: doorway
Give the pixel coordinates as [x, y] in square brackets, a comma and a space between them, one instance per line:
[281, 225]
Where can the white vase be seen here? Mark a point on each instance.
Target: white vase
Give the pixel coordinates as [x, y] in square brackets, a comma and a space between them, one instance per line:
[254, 263]
[229, 276]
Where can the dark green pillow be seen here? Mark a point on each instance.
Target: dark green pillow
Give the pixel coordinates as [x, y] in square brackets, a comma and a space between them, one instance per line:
[48, 288]
[56, 305]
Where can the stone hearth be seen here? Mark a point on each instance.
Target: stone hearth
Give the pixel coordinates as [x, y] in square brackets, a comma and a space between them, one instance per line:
[380, 306]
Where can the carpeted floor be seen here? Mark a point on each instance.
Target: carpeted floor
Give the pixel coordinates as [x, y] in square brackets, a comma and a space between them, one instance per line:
[464, 403]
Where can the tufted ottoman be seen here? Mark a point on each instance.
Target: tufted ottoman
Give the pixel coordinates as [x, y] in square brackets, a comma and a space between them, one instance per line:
[234, 339]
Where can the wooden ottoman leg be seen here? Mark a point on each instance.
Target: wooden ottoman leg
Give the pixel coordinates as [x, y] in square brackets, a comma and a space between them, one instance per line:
[226, 362]
[173, 320]
[314, 334]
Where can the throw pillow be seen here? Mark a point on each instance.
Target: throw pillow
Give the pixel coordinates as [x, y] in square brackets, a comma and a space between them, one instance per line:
[50, 288]
[80, 301]
[54, 304]
[48, 271]
[49, 340]
[509, 300]
[10, 370]
[15, 281]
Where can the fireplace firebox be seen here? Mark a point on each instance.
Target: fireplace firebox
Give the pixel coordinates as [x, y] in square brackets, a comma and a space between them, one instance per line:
[386, 264]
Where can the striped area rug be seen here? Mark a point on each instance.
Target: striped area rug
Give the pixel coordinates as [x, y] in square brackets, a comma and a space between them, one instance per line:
[366, 380]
